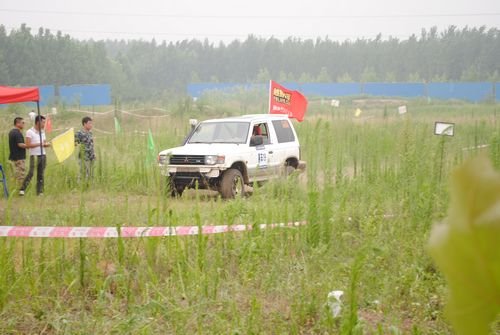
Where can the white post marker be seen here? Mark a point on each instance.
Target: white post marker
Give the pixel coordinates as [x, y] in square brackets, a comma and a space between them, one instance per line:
[444, 128]
[334, 302]
[335, 103]
[402, 110]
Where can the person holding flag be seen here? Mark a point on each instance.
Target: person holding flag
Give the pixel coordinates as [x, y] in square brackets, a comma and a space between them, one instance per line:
[86, 154]
[34, 136]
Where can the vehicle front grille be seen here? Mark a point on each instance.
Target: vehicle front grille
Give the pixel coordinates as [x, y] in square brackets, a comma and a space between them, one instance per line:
[187, 160]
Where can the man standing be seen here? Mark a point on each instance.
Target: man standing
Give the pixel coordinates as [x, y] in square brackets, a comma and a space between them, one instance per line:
[86, 155]
[33, 136]
[17, 153]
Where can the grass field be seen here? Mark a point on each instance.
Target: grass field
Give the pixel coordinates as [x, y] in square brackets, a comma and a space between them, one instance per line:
[373, 187]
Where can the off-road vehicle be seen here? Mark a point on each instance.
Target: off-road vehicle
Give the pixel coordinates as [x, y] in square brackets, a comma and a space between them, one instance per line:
[228, 155]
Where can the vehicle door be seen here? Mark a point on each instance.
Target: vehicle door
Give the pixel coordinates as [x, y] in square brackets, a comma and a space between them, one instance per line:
[261, 162]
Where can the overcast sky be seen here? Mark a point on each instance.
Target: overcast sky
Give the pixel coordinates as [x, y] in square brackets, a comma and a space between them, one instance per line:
[228, 20]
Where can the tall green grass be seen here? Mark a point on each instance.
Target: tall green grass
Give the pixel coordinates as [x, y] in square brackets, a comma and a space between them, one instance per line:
[372, 188]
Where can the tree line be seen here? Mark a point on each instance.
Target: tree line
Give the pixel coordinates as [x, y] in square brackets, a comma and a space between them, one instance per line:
[138, 69]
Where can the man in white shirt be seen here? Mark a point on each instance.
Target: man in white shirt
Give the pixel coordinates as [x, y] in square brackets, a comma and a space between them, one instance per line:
[34, 136]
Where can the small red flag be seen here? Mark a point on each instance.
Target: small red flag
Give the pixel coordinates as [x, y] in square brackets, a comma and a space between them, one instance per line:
[285, 101]
[48, 124]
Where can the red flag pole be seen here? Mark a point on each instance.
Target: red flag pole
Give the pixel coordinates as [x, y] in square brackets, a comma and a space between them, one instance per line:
[40, 126]
[270, 97]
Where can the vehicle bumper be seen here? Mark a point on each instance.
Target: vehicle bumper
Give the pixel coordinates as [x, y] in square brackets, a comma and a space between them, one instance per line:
[208, 172]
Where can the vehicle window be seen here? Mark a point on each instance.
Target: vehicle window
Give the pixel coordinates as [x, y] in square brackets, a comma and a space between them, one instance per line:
[220, 132]
[284, 131]
[261, 129]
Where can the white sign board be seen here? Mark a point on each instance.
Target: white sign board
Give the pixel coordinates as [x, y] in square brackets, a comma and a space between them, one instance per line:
[335, 103]
[444, 128]
[262, 159]
[402, 110]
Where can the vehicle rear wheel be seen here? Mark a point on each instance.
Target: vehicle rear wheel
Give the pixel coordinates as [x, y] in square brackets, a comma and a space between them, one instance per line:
[289, 170]
[232, 184]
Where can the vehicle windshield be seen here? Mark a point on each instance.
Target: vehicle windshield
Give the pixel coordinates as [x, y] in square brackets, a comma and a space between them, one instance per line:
[220, 132]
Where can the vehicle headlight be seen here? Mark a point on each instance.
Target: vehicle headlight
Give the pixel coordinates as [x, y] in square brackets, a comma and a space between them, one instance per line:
[163, 159]
[214, 159]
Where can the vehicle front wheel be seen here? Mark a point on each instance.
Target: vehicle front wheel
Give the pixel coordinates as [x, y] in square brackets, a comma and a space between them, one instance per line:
[175, 190]
[232, 184]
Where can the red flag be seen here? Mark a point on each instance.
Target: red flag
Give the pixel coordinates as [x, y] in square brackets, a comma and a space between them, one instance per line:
[285, 101]
[48, 124]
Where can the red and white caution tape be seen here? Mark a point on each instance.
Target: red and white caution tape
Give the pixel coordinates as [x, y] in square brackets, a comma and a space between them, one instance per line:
[113, 232]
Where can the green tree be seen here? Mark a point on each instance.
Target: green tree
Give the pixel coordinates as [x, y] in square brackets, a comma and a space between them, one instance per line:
[305, 78]
[345, 78]
[470, 74]
[414, 77]
[323, 76]
[263, 76]
[140, 69]
[369, 75]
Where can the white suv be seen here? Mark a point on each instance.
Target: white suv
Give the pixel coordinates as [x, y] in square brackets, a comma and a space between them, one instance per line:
[228, 155]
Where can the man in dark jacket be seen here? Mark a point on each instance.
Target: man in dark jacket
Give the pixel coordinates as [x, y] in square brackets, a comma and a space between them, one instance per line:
[17, 153]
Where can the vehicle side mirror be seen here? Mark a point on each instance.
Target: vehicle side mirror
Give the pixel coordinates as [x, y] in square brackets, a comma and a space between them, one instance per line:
[256, 140]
